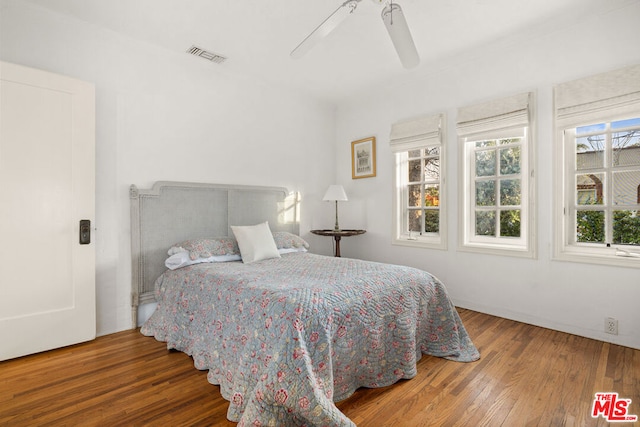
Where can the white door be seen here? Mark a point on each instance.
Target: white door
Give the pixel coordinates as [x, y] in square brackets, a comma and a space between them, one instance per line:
[47, 185]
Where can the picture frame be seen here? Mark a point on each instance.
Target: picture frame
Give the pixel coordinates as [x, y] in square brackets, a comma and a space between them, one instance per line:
[363, 158]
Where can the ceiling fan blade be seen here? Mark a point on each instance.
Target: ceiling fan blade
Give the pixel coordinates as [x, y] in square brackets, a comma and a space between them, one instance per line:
[328, 25]
[400, 35]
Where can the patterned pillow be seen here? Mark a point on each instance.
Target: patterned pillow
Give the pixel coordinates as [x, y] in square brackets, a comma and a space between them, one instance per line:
[205, 248]
[217, 246]
[286, 240]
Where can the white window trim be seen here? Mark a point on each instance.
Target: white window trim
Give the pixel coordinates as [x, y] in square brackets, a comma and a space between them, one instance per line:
[411, 135]
[507, 243]
[493, 120]
[600, 98]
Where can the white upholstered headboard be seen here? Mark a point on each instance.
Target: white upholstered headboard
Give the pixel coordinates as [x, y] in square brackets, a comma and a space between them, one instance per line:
[171, 212]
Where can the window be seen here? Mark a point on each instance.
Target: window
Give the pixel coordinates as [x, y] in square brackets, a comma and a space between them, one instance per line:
[606, 175]
[598, 168]
[496, 188]
[419, 216]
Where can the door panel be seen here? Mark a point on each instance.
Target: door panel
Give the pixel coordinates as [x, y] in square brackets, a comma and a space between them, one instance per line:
[47, 169]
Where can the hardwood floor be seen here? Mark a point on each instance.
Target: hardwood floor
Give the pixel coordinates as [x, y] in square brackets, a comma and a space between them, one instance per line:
[527, 376]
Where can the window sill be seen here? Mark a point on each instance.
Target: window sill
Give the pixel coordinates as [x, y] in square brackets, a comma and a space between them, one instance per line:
[511, 251]
[602, 257]
[419, 243]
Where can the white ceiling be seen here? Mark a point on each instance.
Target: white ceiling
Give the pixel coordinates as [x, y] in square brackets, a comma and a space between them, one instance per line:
[257, 35]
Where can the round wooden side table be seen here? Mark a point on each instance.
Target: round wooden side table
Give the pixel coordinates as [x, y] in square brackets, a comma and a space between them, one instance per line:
[337, 235]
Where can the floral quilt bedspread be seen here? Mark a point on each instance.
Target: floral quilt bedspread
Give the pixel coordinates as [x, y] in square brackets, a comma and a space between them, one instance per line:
[286, 337]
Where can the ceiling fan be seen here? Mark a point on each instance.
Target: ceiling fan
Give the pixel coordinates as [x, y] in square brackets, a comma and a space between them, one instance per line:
[393, 19]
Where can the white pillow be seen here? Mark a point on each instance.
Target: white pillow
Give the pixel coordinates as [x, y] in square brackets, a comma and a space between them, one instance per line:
[182, 259]
[255, 242]
[291, 250]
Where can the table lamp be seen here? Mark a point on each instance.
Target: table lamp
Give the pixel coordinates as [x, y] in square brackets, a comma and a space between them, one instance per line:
[335, 193]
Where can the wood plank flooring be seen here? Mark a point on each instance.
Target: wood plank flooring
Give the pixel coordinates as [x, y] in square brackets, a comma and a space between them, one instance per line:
[527, 376]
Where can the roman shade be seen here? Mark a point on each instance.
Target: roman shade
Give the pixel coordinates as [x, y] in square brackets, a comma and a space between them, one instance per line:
[597, 98]
[416, 133]
[494, 115]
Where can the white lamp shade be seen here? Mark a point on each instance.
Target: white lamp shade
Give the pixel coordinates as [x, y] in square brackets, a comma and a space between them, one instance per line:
[335, 193]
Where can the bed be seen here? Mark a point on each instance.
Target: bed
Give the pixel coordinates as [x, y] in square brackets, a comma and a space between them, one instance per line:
[288, 334]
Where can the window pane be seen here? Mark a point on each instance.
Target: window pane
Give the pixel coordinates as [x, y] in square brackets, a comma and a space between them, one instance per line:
[485, 223]
[585, 197]
[418, 196]
[590, 226]
[432, 169]
[431, 195]
[591, 128]
[510, 161]
[590, 152]
[415, 221]
[485, 163]
[414, 195]
[509, 141]
[626, 227]
[589, 189]
[510, 223]
[489, 143]
[485, 193]
[432, 221]
[626, 188]
[625, 123]
[510, 192]
[626, 148]
[432, 151]
[414, 170]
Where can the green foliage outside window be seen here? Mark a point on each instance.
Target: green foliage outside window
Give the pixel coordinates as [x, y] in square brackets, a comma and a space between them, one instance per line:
[626, 228]
[432, 221]
[485, 223]
[510, 223]
[499, 185]
[590, 226]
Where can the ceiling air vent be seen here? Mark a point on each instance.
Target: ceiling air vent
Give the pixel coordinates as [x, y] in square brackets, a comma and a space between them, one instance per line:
[213, 57]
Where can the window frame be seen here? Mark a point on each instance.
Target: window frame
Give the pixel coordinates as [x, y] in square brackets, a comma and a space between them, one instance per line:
[602, 98]
[507, 243]
[499, 125]
[400, 234]
[567, 246]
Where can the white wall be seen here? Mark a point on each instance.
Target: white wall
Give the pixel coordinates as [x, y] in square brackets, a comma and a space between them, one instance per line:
[163, 115]
[566, 296]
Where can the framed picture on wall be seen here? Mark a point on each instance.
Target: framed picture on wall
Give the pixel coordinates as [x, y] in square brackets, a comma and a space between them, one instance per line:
[363, 158]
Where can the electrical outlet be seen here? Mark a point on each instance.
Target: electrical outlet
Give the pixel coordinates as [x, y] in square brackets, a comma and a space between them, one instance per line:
[611, 326]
